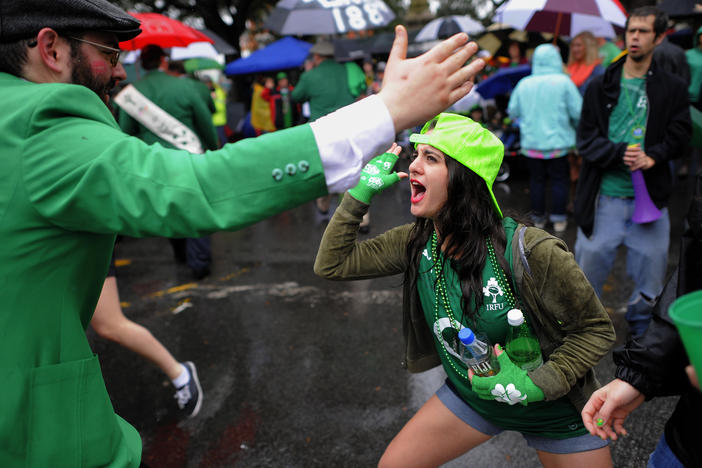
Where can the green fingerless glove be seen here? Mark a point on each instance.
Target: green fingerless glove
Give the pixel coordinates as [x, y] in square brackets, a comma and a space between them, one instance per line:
[511, 385]
[375, 177]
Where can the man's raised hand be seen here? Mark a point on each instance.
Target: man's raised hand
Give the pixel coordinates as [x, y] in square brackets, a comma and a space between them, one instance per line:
[417, 89]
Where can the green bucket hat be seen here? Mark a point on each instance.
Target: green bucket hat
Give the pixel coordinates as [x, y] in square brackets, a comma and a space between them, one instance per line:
[467, 142]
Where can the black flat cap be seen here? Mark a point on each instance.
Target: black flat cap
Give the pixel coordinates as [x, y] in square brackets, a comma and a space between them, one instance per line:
[22, 19]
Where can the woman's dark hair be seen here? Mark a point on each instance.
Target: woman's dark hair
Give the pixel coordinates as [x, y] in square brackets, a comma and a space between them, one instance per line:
[466, 222]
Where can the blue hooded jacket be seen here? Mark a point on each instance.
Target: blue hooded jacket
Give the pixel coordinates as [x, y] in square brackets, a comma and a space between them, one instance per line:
[547, 103]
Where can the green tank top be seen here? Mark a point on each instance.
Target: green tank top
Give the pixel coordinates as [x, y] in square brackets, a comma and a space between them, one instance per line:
[556, 419]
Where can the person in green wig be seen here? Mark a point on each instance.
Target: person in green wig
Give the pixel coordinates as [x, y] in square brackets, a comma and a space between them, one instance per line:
[465, 265]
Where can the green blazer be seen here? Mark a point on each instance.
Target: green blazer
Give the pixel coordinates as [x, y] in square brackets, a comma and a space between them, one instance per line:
[70, 180]
[185, 99]
[573, 327]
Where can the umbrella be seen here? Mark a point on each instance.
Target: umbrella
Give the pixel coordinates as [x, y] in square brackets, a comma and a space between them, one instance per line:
[200, 63]
[301, 17]
[162, 31]
[502, 81]
[441, 28]
[681, 8]
[603, 18]
[222, 45]
[195, 50]
[497, 36]
[377, 44]
[364, 47]
[285, 53]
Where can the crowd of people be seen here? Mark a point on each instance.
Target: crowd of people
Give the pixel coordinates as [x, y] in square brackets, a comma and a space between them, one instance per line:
[83, 166]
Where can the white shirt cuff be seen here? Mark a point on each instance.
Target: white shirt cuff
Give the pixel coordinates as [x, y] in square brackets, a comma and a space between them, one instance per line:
[350, 137]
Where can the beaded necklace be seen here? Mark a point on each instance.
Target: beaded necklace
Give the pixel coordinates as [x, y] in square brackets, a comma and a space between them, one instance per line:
[443, 294]
[501, 277]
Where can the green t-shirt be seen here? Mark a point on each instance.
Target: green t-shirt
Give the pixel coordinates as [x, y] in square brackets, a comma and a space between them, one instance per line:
[556, 419]
[627, 124]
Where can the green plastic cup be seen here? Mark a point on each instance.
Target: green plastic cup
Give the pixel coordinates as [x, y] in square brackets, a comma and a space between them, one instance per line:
[686, 312]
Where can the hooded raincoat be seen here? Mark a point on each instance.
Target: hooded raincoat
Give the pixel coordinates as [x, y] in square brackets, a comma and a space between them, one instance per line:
[547, 103]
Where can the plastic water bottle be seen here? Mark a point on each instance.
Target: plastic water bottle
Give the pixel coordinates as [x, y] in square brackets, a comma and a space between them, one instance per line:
[522, 345]
[477, 354]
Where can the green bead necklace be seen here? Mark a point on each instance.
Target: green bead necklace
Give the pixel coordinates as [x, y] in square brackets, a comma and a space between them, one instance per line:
[441, 286]
[440, 282]
[501, 277]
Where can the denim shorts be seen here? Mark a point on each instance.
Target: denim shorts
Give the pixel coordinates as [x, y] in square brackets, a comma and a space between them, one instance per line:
[466, 414]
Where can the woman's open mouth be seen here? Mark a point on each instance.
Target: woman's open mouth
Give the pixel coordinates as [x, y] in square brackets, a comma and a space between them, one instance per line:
[418, 191]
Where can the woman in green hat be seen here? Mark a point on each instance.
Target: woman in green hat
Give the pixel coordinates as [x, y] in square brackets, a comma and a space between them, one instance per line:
[465, 265]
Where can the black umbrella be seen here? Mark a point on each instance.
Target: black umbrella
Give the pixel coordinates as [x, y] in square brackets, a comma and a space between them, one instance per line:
[222, 46]
[308, 17]
[681, 8]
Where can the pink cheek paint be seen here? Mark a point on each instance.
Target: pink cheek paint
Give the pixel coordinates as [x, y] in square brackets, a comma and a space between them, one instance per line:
[100, 68]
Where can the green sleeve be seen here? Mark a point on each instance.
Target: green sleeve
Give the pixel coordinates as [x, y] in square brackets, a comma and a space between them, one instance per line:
[562, 289]
[83, 174]
[342, 257]
[299, 92]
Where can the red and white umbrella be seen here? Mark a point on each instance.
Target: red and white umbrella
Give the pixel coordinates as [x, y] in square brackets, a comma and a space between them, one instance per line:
[603, 18]
[162, 31]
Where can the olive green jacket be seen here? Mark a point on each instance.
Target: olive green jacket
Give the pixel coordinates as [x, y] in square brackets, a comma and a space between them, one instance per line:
[573, 327]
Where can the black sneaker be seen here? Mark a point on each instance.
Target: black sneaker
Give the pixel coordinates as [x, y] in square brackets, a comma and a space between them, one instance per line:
[189, 396]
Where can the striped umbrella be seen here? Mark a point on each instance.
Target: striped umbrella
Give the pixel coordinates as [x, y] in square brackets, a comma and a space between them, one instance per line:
[603, 18]
[447, 26]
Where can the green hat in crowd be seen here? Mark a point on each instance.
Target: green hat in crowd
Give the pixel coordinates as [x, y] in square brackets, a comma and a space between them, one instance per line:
[281, 75]
[467, 142]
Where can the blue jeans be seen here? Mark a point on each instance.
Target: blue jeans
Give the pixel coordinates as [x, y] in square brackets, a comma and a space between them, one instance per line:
[557, 170]
[663, 457]
[646, 258]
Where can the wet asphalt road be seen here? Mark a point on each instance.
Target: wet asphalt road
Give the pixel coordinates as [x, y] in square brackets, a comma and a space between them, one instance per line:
[299, 371]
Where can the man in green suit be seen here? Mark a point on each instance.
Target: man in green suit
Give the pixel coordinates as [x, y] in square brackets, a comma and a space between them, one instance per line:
[71, 180]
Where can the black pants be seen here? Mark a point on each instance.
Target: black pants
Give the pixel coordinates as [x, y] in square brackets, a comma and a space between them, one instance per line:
[195, 252]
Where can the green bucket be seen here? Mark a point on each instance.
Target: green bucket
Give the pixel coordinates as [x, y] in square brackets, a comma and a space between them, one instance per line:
[686, 312]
